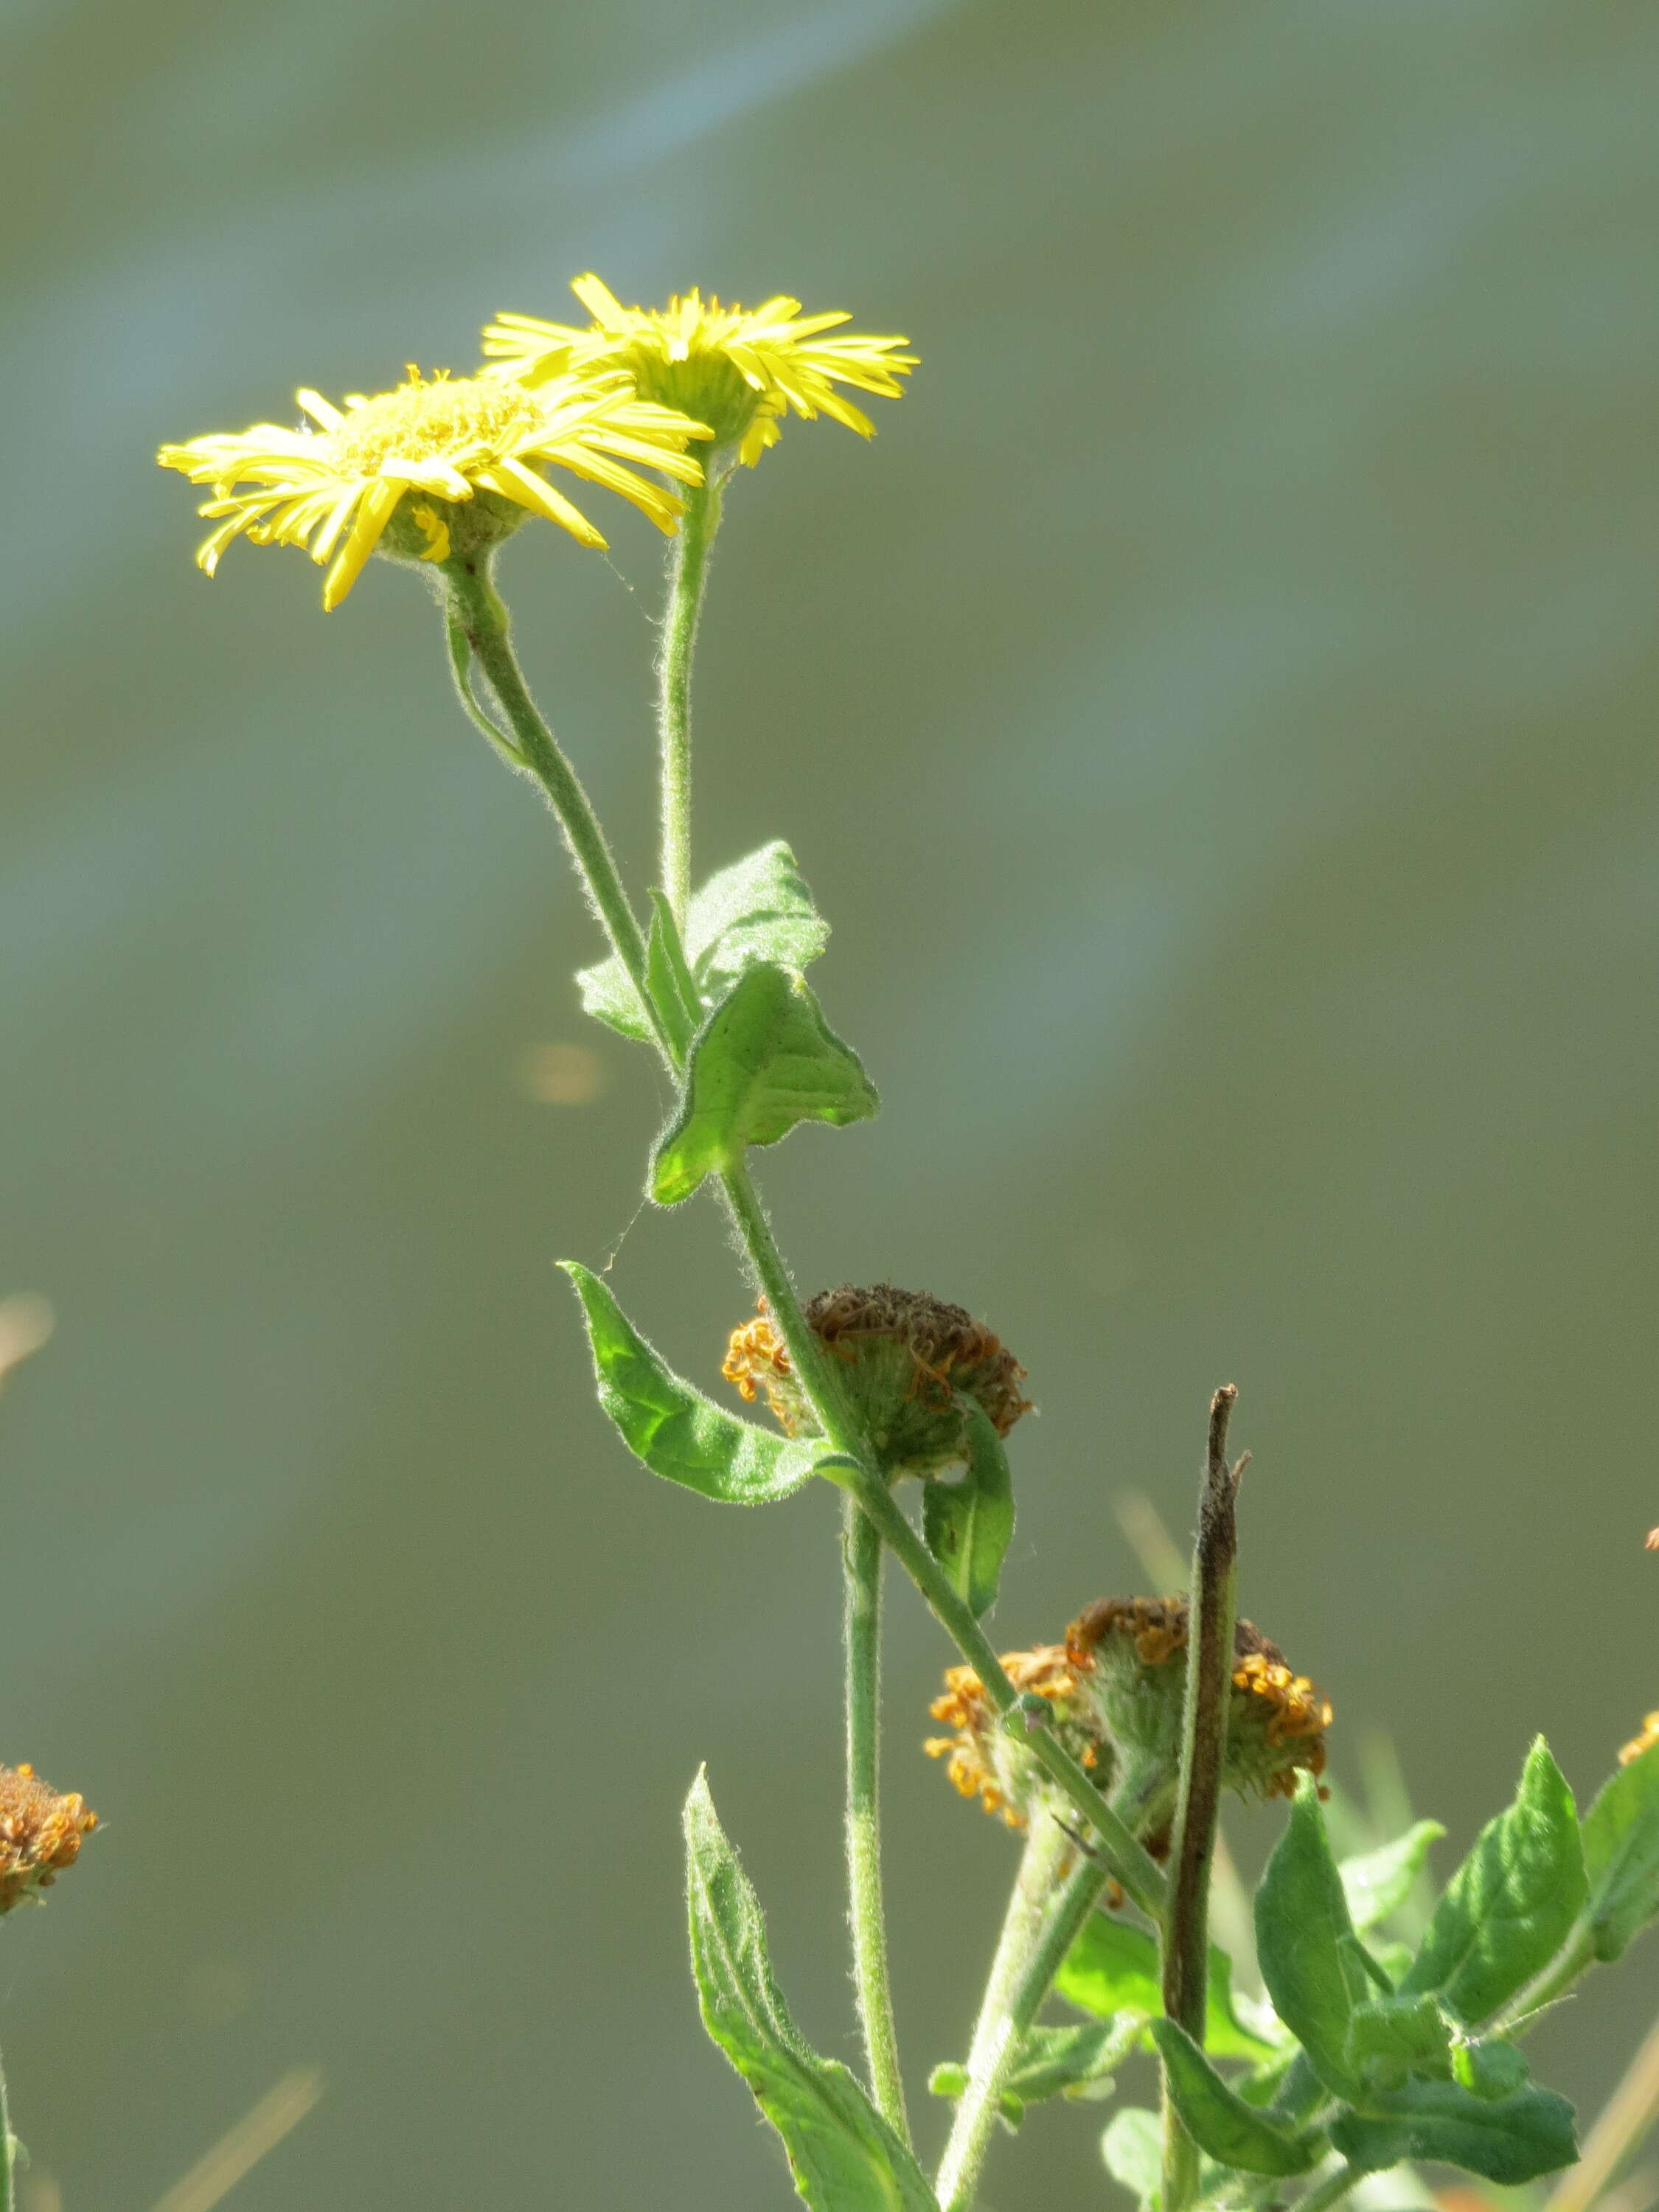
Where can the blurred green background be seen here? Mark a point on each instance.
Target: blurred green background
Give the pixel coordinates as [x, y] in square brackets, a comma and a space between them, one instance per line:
[1217, 716]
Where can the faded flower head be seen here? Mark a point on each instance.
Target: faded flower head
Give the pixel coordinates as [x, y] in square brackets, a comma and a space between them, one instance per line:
[905, 1358]
[40, 1834]
[1133, 1648]
[984, 1761]
[738, 372]
[432, 469]
[1643, 1740]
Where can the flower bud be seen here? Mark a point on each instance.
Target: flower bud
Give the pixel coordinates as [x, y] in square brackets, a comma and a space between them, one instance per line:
[904, 1358]
[40, 1834]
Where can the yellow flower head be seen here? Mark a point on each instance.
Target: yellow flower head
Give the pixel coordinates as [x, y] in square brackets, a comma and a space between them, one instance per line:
[738, 372]
[40, 1834]
[431, 468]
[984, 1761]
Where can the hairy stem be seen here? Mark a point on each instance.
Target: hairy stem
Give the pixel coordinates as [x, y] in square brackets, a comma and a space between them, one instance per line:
[1124, 1856]
[1186, 1935]
[8, 2148]
[862, 1558]
[484, 621]
[1331, 2191]
[688, 573]
[996, 2040]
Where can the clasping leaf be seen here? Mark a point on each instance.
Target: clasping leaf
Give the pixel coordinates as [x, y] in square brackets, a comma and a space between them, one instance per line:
[678, 1434]
[843, 2156]
[765, 1060]
[757, 909]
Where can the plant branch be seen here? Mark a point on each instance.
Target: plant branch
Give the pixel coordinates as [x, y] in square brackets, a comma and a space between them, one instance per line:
[688, 574]
[1331, 2191]
[1023, 1970]
[476, 607]
[862, 1559]
[1186, 1935]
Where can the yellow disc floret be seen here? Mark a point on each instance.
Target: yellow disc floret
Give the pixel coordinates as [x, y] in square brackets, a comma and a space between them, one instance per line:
[41, 1834]
[738, 371]
[451, 465]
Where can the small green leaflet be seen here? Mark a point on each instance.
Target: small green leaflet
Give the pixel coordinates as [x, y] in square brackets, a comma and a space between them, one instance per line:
[1113, 1969]
[968, 1525]
[676, 1432]
[757, 909]
[843, 2157]
[1621, 1852]
[1509, 1907]
[1377, 1884]
[1302, 1926]
[1232, 2132]
[764, 1060]
[1394, 2037]
[1507, 2139]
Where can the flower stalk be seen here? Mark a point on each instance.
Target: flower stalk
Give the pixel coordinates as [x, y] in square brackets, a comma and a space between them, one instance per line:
[862, 1558]
[687, 577]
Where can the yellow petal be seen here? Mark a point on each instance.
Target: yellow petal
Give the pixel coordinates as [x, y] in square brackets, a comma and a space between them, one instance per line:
[379, 503]
[513, 481]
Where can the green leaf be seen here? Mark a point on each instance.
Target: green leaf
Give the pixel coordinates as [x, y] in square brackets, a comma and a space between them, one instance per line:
[678, 1432]
[1508, 2139]
[1621, 1852]
[1301, 1925]
[1112, 1968]
[1377, 1884]
[757, 909]
[763, 1061]
[1233, 2133]
[968, 1525]
[1509, 1907]
[843, 2156]
[1397, 2036]
[1133, 2148]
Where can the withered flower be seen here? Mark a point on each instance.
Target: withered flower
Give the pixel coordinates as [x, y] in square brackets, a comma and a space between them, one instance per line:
[905, 1356]
[41, 1834]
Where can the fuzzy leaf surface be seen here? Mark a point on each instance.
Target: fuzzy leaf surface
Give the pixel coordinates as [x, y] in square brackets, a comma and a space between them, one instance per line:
[1377, 1883]
[968, 1524]
[1621, 1853]
[1219, 2122]
[1301, 1929]
[1112, 1968]
[678, 1432]
[757, 909]
[1507, 2139]
[843, 2157]
[763, 1061]
[1507, 1910]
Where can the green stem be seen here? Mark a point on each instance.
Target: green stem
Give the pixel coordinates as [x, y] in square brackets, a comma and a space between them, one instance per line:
[8, 2148]
[688, 574]
[1125, 1857]
[486, 627]
[995, 2046]
[862, 1557]
[1331, 2191]
[1186, 1936]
